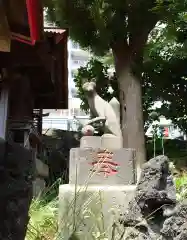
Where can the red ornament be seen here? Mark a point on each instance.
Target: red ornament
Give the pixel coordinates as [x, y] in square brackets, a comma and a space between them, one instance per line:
[166, 132]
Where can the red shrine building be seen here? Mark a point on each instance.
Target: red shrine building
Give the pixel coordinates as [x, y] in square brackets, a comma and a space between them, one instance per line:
[33, 69]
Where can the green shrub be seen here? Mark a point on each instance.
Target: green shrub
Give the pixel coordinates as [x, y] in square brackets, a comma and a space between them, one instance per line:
[43, 220]
[175, 149]
[181, 186]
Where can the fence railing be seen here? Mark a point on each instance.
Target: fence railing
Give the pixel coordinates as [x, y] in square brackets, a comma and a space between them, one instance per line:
[63, 124]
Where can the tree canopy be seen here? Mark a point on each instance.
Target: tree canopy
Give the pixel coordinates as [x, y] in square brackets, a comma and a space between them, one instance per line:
[166, 70]
[98, 25]
[164, 76]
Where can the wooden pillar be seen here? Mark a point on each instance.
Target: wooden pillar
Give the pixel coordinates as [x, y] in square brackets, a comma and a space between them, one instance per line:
[40, 121]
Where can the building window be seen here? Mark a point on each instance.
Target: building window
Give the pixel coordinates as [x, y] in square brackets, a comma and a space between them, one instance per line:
[79, 62]
[75, 45]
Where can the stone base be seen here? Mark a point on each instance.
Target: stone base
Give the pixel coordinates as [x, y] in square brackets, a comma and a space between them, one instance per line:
[91, 209]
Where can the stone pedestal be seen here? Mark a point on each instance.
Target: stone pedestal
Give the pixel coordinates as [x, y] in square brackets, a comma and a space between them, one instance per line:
[102, 180]
[92, 208]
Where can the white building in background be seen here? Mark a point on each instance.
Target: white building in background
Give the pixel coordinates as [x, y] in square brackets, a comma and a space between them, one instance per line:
[77, 58]
[170, 131]
[67, 119]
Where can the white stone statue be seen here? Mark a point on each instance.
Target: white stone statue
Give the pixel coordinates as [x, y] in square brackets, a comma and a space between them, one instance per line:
[116, 106]
[103, 111]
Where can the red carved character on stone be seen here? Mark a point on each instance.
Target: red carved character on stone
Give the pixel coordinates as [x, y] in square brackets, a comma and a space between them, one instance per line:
[105, 164]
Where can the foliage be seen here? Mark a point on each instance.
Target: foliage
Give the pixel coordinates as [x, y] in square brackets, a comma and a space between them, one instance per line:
[95, 69]
[108, 60]
[100, 72]
[165, 68]
[43, 220]
[181, 186]
[164, 75]
[103, 18]
[175, 149]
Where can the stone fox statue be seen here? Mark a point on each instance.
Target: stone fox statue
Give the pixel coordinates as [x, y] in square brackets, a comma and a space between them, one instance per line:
[102, 109]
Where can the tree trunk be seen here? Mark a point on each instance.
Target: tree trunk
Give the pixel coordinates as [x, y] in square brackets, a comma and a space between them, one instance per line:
[119, 65]
[123, 116]
[132, 102]
[134, 116]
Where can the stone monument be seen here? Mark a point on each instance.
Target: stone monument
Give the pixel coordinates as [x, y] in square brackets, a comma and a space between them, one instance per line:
[102, 174]
[103, 111]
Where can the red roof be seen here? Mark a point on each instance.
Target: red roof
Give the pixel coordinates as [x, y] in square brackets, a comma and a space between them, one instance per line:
[25, 20]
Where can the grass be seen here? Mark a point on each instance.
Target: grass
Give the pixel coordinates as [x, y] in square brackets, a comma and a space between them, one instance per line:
[43, 223]
[180, 179]
[181, 186]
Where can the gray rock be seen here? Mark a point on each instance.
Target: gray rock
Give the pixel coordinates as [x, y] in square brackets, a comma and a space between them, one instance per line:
[156, 186]
[154, 213]
[183, 233]
[175, 226]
